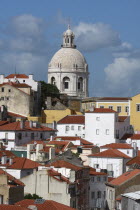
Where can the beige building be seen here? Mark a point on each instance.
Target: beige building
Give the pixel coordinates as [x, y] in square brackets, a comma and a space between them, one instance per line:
[17, 98]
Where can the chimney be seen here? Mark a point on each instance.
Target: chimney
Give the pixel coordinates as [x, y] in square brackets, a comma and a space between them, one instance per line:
[31, 123]
[4, 159]
[21, 124]
[51, 153]
[31, 76]
[51, 138]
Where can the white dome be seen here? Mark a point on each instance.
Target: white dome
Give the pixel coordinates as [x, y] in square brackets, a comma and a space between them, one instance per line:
[68, 58]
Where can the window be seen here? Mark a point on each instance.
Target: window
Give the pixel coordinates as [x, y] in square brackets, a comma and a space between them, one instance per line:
[23, 80]
[92, 179]
[110, 194]
[101, 107]
[92, 195]
[9, 90]
[80, 84]
[2, 98]
[110, 107]
[41, 135]
[67, 128]
[79, 128]
[66, 81]
[104, 194]
[97, 118]
[98, 178]
[83, 135]
[72, 127]
[2, 89]
[53, 82]
[119, 108]
[96, 166]
[66, 85]
[127, 109]
[97, 131]
[117, 134]
[138, 107]
[105, 179]
[7, 98]
[19, 136]
[32, 135]
[99, 194]
[107, 131]
[127, 151]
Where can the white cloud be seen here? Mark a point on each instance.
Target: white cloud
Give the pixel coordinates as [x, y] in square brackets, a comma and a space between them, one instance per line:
[91, 37]
[122, 76]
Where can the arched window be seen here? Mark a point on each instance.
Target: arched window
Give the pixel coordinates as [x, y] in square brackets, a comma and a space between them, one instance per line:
[66, 81]
[53, 82]
[80, 83]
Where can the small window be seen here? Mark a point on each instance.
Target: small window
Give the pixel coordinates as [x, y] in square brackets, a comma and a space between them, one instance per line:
[83, 135]
[104, 194]
[92, 179]
[97, 131]
[99, 194]
[127, 109]
[97, 118]
[66, 85]
[23, 80]
[92, 195]
[19, 136]
[72, 127]
[96, 166]
[7, 98]
[2, 98]
[127, 151]
[9, 90]
[98, 178]
[105, 179]
[110, 107]
[138, 107]
[102, 107]
[119, 108]
[79, 128]
[67, 128]
[2, 89]
[107, 131]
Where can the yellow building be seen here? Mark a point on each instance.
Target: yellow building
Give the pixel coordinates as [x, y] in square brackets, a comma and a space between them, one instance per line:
[119, 104]
[135, 112]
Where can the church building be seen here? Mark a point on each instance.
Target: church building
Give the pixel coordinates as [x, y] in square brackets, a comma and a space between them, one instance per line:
[68, 69]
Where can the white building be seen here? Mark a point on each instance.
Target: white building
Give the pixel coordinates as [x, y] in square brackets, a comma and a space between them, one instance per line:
[68, 69]
[71, 125]
[104, 126]
[19, 133]
[111, 160]
[122, 147]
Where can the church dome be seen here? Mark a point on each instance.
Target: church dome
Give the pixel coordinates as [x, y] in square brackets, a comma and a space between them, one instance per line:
[68, 58]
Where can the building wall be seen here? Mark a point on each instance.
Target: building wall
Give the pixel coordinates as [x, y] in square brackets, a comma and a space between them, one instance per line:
[134, 114]
[49, 116]
[129, 204]
[16, 101]
[16, 194]
[110, 197]
[106, 121]
[117, 164]
[73, 130]
[47, 187]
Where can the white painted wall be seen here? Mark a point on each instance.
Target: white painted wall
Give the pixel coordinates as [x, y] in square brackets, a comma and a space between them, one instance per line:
[71, 132]
[118, 165]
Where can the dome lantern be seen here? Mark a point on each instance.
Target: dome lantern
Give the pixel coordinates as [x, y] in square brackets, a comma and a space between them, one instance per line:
[68, 38]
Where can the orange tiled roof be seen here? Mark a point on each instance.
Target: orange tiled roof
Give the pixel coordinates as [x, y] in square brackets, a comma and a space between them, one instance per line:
[17, 76]
[12, 207]
[58, 176]
[72, 119]
[102, 110]
[11, 178]
[7, 153]
[125, 177]
[72, 138]
[22, 163]
[110, 153]
[15, 126]
[95, 173]
[64, 164]
[11, 114]
[17, 85]
[131, 136]
[47, 205]
[122, 118]
[3, 122]
[133, 161]
[115, 98]
[117, 146]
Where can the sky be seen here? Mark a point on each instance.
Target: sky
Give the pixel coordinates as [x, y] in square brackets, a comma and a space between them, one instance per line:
[107, 32]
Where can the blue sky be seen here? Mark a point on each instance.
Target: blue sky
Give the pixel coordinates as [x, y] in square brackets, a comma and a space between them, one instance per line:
[107, 33]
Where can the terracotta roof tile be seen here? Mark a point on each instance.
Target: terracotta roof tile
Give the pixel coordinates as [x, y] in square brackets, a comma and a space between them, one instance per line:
[23, 163]
[15, 126]
[17, 76]
[11, 114]
[110, 153]
[11, 178]
[125, 177]
[131, 136]
[7, 153]
[101, 110]
[117, 146]
[3, 122]
[122, 118]
[73, 138]
[58, 176]
[47, 205]
[135, 160]
[72, 119]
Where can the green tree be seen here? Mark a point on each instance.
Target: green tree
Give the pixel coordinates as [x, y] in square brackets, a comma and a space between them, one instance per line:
[48, 90]
[30, 196]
